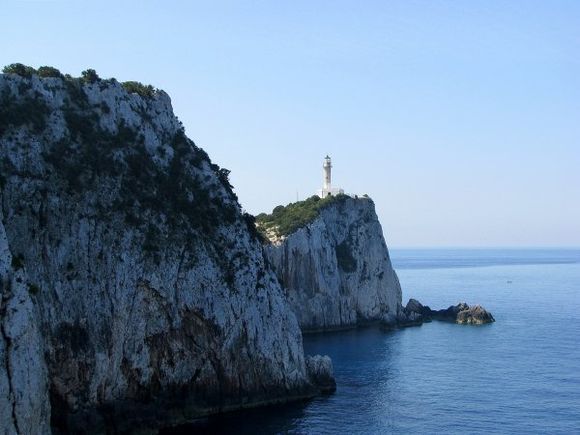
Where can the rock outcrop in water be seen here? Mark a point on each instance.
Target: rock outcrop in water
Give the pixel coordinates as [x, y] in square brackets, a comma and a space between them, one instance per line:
[334, 265]
[474, 315]
[460, 313]
[133, 289]
[321, 372]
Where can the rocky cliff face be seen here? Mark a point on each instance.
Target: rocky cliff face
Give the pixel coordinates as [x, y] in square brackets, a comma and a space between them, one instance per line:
[336, 269]
[133, 290]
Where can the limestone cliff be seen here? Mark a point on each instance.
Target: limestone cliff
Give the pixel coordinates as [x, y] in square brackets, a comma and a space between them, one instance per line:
[133, 289]
[335, 265]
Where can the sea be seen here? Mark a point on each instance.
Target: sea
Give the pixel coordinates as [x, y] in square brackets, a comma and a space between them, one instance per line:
[520, 374]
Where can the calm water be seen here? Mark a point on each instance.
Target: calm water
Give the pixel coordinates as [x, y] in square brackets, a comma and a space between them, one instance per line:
[519, 375]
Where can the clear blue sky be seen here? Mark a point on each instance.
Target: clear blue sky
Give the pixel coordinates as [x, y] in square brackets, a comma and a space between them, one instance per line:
[460, 118]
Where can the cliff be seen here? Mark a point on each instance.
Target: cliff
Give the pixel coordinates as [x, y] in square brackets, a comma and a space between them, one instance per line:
[134, 292]
[332, 260]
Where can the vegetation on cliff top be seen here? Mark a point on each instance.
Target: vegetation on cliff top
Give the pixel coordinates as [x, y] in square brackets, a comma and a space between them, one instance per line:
[87, 76]
[286, 220]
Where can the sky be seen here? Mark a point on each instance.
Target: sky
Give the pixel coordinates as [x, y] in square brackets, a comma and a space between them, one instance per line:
[461, 119]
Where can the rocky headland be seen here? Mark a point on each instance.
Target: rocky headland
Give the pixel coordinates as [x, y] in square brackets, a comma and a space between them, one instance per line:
[134, 291]
[331, 259]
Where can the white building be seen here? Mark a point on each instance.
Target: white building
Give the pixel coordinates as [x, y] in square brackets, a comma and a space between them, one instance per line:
[327, 189]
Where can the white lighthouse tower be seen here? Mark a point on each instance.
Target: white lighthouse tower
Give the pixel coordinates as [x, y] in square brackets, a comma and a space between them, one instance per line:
[327, 189]
[327, 169]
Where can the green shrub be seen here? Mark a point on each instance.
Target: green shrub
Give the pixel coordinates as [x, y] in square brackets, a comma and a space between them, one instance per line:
[286, 220]
[224, 177]
[145, 91]
[27, 111]
[33, 289]
[17, 261]
[90, 76]
[48, 71]
[252, 227]
[76, 93]
[20, 69]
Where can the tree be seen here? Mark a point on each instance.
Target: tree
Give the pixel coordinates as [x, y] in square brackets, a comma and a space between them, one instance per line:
[49, 71]
[139, 88]
[90, 76]
[20, 69]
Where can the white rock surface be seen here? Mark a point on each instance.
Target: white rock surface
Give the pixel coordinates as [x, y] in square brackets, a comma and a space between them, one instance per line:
[23, 386]
[143, 298]
[336, 271]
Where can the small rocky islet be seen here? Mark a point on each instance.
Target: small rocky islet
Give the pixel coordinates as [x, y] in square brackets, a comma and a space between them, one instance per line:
[461, 313]
[136, 293]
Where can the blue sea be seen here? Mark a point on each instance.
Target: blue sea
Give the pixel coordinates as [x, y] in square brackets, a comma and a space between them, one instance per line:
[518, 375]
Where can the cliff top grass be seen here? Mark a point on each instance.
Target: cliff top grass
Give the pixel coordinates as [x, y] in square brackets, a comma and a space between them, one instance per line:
[284, 220]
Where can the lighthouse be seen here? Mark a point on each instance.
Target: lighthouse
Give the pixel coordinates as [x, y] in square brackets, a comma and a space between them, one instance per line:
[327, 169]
[327, 189]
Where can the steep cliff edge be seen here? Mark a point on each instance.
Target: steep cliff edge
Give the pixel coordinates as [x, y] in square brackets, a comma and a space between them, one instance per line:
[133, 289]
[331, 257]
